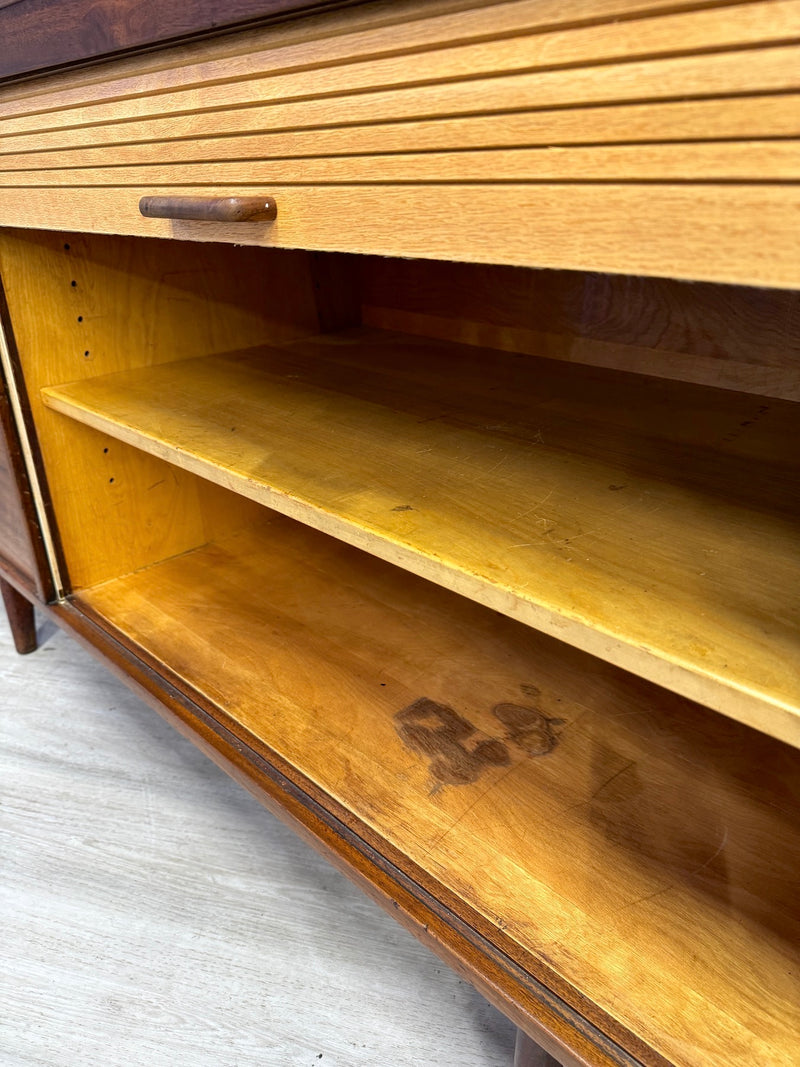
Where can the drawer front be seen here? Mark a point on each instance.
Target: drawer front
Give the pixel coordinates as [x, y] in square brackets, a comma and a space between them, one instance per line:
[616, 135]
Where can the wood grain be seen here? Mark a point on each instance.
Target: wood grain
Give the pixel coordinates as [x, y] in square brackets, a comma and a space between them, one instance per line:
[256, 133]
[408, 27]
[384, 76]
[675, 936]
[41, 34]
[576, 500]
[22, 551]
[18, 530]
[685, 933]
[754, 161]
[739, 234]
[442, 88]
[730, 337]
[293, 799]
[135, 875]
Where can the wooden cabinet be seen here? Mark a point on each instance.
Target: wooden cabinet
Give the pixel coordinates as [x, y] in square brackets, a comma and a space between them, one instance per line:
[483, 576]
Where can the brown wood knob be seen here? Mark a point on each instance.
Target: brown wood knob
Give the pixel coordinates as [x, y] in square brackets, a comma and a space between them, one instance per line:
[210, 208]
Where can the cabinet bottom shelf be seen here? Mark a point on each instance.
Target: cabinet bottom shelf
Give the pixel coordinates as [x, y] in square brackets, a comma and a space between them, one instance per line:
[617, 841]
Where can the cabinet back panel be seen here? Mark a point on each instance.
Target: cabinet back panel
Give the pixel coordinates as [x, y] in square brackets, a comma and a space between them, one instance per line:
[728, 336]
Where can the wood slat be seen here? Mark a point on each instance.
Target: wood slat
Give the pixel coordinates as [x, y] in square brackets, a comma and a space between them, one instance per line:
[760, 161]
[576, 84]
[420, 25]
[570, 509]
[413, 28]
[741, 118]
[729, 233]
[578, 861]
[765, 71]
[172, 140]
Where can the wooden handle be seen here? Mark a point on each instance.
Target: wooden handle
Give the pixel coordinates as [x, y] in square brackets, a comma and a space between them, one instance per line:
[210, 208]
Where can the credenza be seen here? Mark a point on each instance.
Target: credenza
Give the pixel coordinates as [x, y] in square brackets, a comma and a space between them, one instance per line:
[403, 398]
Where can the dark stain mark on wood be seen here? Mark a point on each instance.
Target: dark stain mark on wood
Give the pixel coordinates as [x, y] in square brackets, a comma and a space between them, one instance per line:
[403, 507]
[528, 728]
[447, 738]
[438, 732]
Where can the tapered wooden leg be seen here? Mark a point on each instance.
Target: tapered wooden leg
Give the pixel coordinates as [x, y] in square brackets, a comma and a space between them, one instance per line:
[20, 617]
[528, 1053]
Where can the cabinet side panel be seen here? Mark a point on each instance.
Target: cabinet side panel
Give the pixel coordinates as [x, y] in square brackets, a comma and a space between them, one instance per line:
[21, 551]
[84, 306]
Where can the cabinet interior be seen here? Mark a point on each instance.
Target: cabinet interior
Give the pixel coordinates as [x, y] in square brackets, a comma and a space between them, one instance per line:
[404, 522]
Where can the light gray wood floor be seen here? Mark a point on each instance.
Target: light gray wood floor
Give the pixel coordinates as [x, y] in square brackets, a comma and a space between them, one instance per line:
[154, 914]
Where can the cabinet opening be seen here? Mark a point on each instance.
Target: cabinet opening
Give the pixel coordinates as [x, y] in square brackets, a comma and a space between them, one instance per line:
[489, 429]
[379, 513]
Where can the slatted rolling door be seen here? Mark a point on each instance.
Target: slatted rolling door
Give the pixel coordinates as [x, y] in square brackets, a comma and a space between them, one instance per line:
[615, 135]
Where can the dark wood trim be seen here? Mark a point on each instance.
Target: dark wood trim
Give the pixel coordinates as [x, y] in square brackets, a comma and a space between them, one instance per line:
[43, 35]
[43, 586]
[23, 560]
[31, 569]
[20, 618]
[459, 937]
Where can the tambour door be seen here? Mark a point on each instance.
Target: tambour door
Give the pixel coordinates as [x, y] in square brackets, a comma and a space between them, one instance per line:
[625, 136]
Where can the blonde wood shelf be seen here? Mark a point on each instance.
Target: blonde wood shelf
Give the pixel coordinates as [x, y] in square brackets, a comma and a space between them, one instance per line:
[538, 792]
[651, 523]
